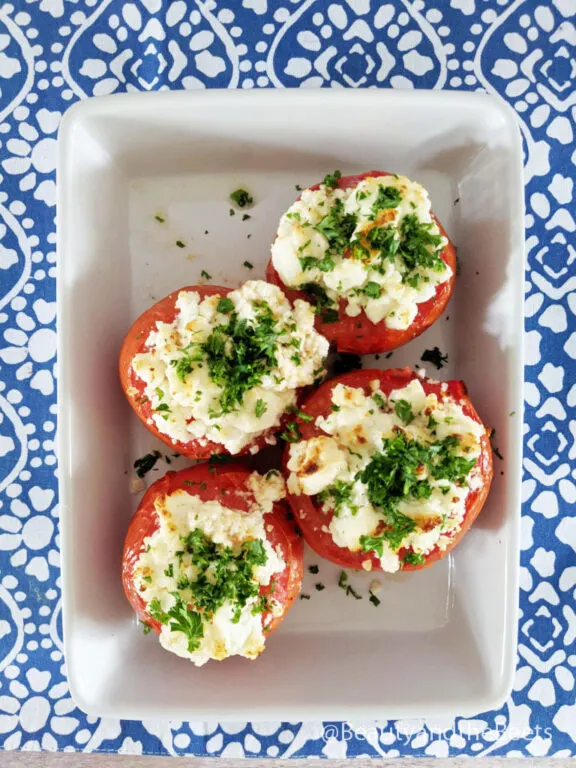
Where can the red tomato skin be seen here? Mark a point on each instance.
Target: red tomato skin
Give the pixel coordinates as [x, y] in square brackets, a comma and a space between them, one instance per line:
[227, 484]
[359, 334]
[133, 386]
[311, 518]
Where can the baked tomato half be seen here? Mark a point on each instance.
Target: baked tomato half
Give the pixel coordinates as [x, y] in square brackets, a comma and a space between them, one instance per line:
[212, 562]
[370, 255]
[388, 470]
[211, 370]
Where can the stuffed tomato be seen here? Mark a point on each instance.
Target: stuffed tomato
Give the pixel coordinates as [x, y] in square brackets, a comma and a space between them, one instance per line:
[388, 470]
[211, 561]
[371, 256]
[211, 370]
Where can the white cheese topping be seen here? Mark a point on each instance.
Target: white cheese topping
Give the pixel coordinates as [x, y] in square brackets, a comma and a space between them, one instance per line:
[158, 572]
[355, 430]
[382, 284]
[186, 403]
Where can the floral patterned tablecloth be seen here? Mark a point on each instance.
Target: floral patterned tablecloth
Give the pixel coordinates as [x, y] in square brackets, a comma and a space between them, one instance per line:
[53, 52]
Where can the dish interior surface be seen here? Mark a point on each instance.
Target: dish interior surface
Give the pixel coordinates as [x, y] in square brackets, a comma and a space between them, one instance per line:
[442, 640]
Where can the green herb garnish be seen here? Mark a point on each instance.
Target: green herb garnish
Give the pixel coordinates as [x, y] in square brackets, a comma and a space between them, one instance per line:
[372, 290]
[292, 432]
[238, 355]
[225, 305]
[379, 400]
[374, 600]
[391, 476]
[387, 197]
[331, 179]
[241, 198]
[434, 356]
[260, 408]
[404, 411]
[144, 464]
[339, 494]
[413, 558]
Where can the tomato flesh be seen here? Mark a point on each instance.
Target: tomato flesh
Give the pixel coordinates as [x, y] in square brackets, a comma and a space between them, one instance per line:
[314, 522]
[359, 334]
[228, 485]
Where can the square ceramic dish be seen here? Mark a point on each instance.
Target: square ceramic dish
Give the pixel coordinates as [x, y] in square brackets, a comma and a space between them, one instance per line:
[443, 640]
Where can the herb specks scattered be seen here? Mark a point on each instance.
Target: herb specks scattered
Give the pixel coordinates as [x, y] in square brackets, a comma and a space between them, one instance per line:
[241, 198]
[434, 356]
[144, 464]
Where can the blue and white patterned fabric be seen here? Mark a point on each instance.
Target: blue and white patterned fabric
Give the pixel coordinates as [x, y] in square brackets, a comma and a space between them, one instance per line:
[53, 52]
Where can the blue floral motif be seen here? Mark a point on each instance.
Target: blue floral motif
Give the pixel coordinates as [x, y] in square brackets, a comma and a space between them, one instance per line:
[53, 52]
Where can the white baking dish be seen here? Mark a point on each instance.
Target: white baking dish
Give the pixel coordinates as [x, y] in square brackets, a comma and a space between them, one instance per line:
[442, 640]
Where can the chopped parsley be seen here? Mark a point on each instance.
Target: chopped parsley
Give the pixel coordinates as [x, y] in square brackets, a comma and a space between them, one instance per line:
[225, 305]
[241, 198]
[238, 355]
[246, 216]
[339, 494]
[337, 226]
[180, 619]
[205, 275]
[164, 410]
[319, 587]
[419, 248]
[387, 197]
[348, 588]
[160, 219]
[329, 316]
[231, 212]
[180, 244]
[146, 628]
[220, 458]
[313, 569]
[323, 305]
[144, 464]
[374, 600]
[413, 558]
[372, 290]
[304, 596]
[379, 400]
[260, 408]
[292, 432]
[221, 575]
[391, 476]
[434, 356]
[305, 417]
[326, 264]
[248, 265]
[404, 411]
[331, 180]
